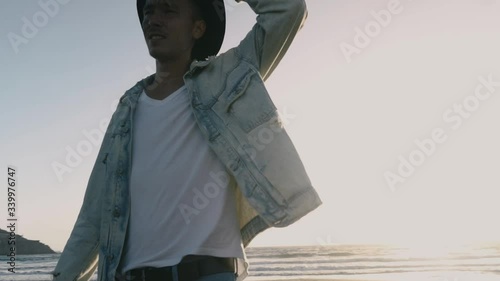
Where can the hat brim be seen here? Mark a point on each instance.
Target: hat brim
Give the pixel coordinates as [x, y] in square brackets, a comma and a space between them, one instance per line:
[214, 14]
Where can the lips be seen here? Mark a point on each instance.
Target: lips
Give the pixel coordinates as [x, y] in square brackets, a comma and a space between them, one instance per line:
[156, 36]
[153, 33]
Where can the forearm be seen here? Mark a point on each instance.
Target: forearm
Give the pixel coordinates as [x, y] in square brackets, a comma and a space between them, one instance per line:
[278, 22]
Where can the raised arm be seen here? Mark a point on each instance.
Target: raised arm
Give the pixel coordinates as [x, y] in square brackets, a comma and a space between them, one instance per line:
[278, 22]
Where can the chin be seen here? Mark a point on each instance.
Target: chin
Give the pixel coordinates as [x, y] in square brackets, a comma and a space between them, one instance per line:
[158, 54]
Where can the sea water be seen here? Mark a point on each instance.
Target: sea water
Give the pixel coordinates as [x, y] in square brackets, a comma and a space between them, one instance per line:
[342, 262]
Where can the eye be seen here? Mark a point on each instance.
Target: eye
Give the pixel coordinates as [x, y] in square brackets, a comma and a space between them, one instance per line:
[168, 10]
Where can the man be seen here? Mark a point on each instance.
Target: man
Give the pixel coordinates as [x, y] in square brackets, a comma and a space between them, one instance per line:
[195, 161]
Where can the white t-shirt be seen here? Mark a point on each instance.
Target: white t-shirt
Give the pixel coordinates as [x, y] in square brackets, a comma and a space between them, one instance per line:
[182, 201]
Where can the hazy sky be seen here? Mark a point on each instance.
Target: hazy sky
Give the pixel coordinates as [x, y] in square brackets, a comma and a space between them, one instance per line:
[408, 95]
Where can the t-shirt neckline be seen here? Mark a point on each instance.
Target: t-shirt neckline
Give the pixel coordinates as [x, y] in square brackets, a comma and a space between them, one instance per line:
[144, 97]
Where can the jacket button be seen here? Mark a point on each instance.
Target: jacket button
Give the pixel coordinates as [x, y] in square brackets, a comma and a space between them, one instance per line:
[234, 165]
[111, 257]
[116, 212]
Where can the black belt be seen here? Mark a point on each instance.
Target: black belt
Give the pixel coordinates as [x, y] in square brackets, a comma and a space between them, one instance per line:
[191, 267]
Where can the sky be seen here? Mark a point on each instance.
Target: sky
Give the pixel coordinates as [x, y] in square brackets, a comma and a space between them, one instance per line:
[394, 109]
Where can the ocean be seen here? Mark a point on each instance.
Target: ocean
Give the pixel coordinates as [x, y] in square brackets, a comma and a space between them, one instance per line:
[335, 262]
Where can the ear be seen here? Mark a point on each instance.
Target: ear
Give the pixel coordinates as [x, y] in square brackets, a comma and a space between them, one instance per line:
[199, 28]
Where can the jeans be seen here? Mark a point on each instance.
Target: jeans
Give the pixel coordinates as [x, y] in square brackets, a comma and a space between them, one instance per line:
[223, 276]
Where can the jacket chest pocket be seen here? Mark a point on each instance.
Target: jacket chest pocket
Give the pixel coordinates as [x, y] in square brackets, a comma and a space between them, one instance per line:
[247, 102]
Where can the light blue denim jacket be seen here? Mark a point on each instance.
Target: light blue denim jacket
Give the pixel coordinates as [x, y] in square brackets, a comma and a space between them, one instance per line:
[241, 124]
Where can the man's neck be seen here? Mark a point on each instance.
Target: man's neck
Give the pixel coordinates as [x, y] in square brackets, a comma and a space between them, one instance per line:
[168, 78]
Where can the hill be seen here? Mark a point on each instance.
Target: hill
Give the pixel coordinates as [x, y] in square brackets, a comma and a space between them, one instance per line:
[23, 246]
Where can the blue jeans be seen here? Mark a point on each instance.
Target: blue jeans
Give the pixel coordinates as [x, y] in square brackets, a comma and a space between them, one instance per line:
[223, 276]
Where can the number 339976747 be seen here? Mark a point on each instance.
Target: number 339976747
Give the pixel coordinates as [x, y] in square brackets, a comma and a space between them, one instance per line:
[11, 192]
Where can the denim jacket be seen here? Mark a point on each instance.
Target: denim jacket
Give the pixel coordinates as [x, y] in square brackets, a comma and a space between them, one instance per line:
[240, 123]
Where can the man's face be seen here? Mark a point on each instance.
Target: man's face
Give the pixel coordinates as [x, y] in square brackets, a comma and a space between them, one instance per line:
[170, 28]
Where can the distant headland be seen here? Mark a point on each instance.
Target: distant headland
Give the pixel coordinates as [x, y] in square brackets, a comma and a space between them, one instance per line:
[23, 246]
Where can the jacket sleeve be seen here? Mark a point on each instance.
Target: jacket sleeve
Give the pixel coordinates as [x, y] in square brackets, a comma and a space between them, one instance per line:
[78, 260]
[278, 21]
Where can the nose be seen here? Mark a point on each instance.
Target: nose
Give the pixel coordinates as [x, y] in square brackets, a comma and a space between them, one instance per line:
[153, 19]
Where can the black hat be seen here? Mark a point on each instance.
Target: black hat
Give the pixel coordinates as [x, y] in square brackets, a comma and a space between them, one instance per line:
[214, 14]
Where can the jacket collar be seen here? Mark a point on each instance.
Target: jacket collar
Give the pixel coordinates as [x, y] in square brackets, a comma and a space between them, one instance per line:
[132, 95]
